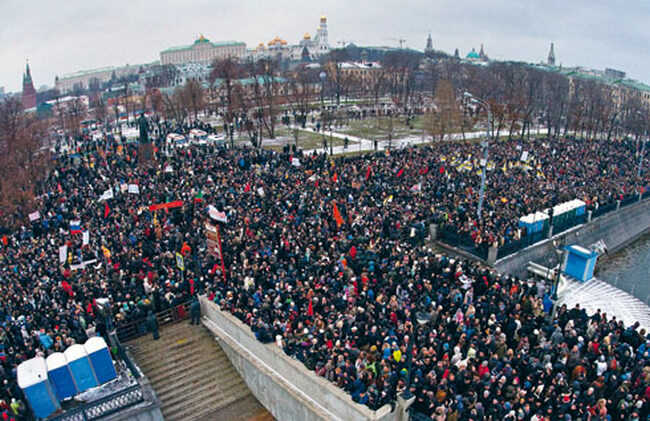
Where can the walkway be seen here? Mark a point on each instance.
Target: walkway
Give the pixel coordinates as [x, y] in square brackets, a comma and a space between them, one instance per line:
[358, 144]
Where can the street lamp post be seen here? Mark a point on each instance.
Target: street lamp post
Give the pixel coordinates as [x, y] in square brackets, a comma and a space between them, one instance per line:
[486, 148]
[645, 139]
[322, 77]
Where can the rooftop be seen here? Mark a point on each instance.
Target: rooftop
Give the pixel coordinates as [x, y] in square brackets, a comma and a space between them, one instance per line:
[204, 41]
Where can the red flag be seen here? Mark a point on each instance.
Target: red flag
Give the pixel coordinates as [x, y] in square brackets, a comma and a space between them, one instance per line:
[4, 240]
[247, 188]
[424, 170]
[59, 188]
[107, 210]
[442, 170]
[166, 206]
[368, 173]
[401, 171]
[337, 215]
[316, 184]
[335, 178]
[310, 308]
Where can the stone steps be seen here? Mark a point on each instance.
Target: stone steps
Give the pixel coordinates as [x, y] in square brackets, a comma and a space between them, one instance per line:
[195, 408]
[202, 360]
[198, 378]
[193, 377]
[166, 356]
[596, 294]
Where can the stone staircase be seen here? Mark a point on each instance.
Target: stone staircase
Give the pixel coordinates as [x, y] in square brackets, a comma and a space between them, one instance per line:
[193, 378]
[596, 294]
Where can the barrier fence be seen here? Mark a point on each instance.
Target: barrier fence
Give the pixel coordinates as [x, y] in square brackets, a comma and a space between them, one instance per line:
[450, 235]
[104, 407]
[137, 328]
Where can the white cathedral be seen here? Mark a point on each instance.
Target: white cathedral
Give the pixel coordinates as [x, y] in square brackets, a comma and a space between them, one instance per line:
[307, 49]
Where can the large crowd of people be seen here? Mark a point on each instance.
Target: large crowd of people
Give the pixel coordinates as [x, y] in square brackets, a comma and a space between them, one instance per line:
[325, 257]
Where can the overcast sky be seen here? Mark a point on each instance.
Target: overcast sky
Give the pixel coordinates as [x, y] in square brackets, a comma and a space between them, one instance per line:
[61, 37]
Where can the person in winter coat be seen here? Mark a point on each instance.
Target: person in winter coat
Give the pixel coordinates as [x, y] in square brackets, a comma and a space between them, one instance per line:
[152, 324]
[195, 311]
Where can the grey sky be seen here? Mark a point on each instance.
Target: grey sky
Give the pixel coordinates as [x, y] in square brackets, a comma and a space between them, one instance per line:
[61, 37]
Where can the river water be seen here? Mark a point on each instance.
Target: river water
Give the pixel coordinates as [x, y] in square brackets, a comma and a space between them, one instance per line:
[629, 269]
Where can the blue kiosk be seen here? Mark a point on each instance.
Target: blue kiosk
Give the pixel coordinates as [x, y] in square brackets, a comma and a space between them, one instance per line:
[61, 376]
[100, 358]
[82, 370]
[579, 262]
[33, 380]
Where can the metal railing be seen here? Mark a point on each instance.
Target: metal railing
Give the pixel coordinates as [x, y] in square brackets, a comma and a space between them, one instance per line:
[566, 223]
[516, 245]
[603, 209]
[137, 328]
[562, 224]
[449, 235]
[628, 200]
[103, 407]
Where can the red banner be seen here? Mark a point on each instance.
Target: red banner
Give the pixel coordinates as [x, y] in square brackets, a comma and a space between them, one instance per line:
[168, 205]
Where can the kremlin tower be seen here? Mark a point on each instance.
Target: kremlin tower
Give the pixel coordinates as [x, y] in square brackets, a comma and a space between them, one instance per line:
[29, 93]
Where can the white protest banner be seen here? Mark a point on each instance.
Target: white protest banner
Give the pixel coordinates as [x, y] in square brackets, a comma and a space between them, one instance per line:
[169, 169]
[34, 216]
[260, 191]
[216, 215]
[524, 156]
[295, 162]
[134, 189]
[108, 194]
[63, 253]
[86, 238]
[83, 264]
[123, 188]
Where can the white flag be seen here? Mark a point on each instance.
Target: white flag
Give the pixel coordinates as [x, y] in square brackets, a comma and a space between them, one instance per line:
[108, 194]
[63, 253]
[134, 188]
[34, 216]
[86, 238]
[123, 188]
[524, 156]
[295, 162]
[260, 191]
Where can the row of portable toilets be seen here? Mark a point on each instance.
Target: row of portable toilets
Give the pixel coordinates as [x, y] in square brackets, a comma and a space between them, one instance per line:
[62, 375]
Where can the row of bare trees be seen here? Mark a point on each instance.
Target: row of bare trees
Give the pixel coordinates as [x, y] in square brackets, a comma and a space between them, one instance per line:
[24, 158]
[522, 96]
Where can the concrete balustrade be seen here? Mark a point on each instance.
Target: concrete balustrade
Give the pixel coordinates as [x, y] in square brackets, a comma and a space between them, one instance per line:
[282, 384]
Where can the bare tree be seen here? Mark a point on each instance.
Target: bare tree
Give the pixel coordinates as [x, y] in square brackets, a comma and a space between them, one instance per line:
[225, 72]
[194, 96]
[24, 161]
[446, 115]
[265, 93]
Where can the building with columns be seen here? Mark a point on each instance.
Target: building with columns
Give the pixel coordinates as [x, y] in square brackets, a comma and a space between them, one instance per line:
[202, 51]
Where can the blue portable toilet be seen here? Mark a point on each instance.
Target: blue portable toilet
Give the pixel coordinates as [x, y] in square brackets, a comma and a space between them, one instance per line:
[100, 358]
[60, 376]
[33, 380]
[82, 371]
[580, 262]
